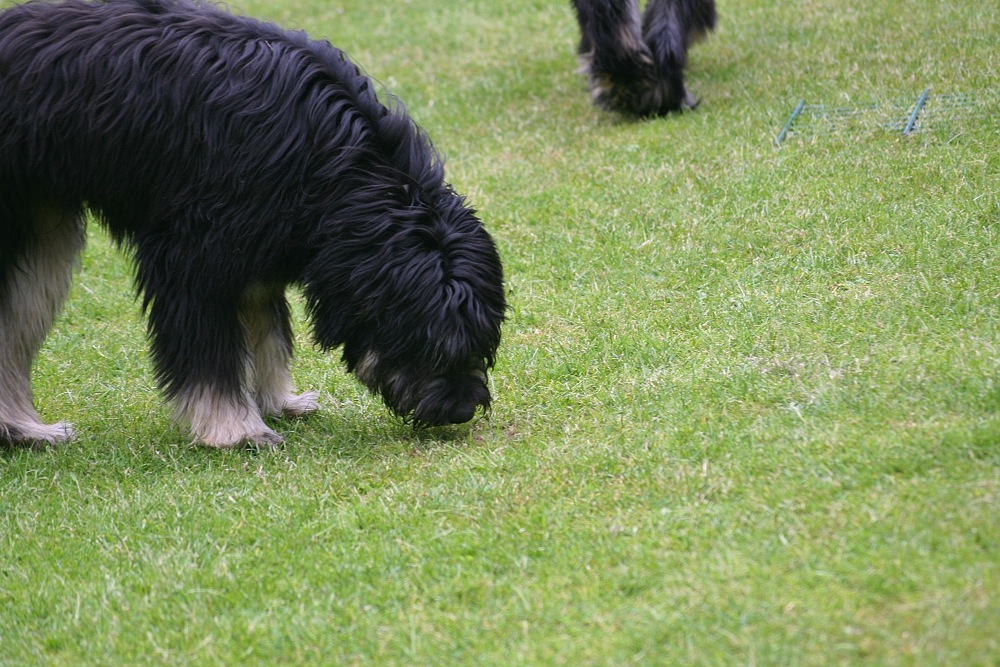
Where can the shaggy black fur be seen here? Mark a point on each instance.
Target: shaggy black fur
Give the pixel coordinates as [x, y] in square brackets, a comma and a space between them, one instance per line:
[635, 64]
[233, 158]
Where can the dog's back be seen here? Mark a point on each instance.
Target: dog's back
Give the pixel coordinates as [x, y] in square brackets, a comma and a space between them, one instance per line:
[176, 90]
[160, 113]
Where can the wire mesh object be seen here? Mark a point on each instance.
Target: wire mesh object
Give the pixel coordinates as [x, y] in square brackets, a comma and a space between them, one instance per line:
[907, 117]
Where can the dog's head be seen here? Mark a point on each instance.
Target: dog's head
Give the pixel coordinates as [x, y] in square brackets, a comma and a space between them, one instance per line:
[419, 316]
[423, 394]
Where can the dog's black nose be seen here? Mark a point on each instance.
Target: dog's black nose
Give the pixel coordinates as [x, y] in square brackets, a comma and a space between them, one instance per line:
[442, 415]
[452, 400]
[462, 413]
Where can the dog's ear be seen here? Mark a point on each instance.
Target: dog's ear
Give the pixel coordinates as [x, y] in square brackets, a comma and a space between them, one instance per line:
[466, 324]
[331, 324]
[453, 328]
[335, 286]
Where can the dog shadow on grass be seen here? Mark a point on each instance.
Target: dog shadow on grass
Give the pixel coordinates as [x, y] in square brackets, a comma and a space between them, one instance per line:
[351, 429]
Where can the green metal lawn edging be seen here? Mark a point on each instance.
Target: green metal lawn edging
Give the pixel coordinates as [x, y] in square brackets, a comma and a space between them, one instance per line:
[811, 120]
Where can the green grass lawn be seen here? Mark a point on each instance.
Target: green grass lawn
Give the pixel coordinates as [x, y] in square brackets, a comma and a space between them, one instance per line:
[747, 407]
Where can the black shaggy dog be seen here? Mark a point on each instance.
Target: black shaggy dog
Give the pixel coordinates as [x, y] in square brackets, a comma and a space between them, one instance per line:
[635, 64]
[233, 159]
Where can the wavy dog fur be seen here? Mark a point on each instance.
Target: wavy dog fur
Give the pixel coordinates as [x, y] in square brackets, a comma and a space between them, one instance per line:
[233, 159]
[635, 62]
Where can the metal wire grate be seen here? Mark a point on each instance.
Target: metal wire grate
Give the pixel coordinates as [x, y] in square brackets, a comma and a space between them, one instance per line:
[811, 120]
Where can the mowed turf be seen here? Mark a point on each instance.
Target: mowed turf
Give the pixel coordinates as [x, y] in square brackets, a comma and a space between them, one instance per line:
[746, 408]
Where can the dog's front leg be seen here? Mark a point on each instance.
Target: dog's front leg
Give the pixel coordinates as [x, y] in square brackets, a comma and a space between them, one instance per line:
[221, 420]
[204, 366]
[267, 331]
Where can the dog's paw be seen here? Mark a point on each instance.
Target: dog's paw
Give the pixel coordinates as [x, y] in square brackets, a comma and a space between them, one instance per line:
[260, 439]
[690, 102]
[53, 434]
[263, 442]
[301, 405]
[36, 435]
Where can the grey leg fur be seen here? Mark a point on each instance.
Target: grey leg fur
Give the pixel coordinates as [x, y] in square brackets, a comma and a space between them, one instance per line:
[36, 287]
[265, 321]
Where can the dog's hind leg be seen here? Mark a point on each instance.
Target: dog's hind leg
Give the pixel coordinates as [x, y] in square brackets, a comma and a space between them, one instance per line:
[670, 27]
[267, 328]
[610, 36]
[35, 278]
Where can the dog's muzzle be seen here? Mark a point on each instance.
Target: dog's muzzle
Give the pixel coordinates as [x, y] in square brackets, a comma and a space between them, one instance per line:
[452, 400]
